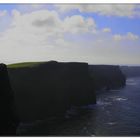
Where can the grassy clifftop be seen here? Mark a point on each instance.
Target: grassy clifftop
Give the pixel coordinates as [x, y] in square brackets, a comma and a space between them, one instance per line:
[24, 64]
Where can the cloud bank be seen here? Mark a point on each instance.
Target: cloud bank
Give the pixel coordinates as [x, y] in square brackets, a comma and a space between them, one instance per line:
[42, 35]
[121, 10]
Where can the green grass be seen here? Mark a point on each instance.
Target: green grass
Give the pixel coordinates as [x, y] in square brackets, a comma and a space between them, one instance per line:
[24, 64]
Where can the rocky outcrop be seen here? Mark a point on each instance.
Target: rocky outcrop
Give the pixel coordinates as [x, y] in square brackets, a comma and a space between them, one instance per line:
[8, 118]
[50, 88]
[107, 77]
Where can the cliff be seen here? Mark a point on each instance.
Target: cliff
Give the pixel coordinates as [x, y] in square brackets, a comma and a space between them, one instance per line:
[8, 118]
[107, 77]
[50, 88]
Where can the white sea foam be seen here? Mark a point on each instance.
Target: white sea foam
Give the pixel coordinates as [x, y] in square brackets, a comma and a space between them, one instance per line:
[117, 98]
[111, 123]
[131, 82]
[103, 103]
[120, 99]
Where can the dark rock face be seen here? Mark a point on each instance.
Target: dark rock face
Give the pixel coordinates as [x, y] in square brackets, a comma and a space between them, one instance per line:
[107, 77]
[51, 88]
[8, 119]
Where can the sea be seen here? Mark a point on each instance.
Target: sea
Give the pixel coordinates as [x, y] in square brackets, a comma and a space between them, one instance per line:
[117, 113]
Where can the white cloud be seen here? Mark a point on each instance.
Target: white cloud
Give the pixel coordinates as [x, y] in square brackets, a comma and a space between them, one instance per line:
[121, 10]
[48, 24]
[39, 32]
[117, 37]
[28, 8]
[37, 6]
[106, 30]
[128, 36]
[5, 20]
[15, 13]
[3, 13]
[77, 24]
[42, 35]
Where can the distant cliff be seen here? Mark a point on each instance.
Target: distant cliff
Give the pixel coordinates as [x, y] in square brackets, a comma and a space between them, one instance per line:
[50, 88]
[8, 118]
[131, 71]
[107, 77]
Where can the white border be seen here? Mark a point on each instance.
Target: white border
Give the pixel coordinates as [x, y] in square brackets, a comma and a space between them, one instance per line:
[69, 1]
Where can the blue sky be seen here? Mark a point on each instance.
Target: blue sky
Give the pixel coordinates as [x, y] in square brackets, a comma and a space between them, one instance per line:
[93, 33]
[119, 25]
[8, 7]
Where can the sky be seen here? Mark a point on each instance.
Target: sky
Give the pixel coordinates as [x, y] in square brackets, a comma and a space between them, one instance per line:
[92, 33]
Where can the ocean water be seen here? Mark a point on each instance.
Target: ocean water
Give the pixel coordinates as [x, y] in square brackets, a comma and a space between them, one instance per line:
[117, 113]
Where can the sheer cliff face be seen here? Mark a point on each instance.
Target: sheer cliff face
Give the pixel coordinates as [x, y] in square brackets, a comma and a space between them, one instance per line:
[107, 77]
[4, 81]
[51, 88]
[8, 119]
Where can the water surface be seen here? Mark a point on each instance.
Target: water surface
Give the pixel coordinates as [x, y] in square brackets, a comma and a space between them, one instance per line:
[117, 113]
